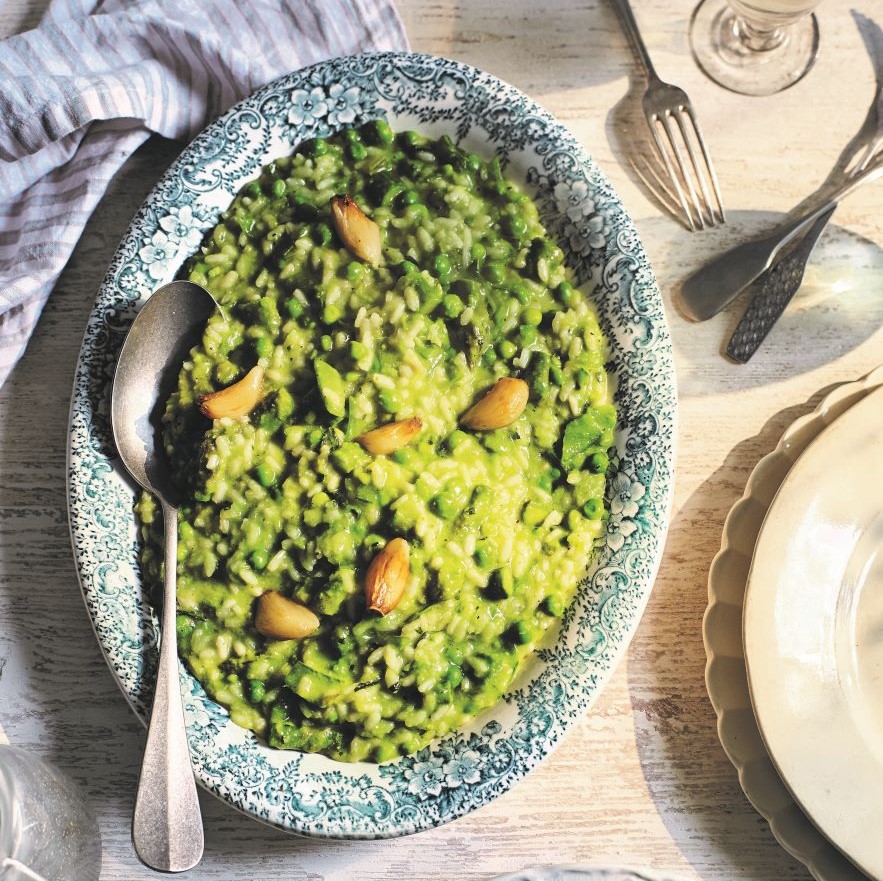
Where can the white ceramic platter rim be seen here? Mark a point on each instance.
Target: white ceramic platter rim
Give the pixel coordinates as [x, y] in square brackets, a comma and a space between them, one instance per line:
[310, 794]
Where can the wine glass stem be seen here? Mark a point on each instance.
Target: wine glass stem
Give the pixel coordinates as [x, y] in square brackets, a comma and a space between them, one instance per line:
[755, 38]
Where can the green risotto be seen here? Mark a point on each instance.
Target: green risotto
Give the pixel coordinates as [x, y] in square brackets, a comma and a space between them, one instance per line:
[353, 592]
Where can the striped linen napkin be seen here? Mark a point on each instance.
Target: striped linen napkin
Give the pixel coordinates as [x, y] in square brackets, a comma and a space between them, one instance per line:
[79, 93]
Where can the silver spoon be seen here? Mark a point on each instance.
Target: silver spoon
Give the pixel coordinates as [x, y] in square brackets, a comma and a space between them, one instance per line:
[167, 826]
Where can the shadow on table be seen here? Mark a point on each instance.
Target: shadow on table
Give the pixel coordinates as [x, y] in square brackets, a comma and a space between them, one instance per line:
[837, 309]
[693, 785]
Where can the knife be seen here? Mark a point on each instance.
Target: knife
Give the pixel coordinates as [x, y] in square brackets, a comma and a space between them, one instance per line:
[772, 293]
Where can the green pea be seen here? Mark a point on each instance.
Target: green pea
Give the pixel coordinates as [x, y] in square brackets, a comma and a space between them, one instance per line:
[332, 313]
[456, 439]
[507, 349]
[598, 463]
[445, 505]
[452, 305]
[593, 509]
[482, 557]
[406, 267]
[314, 438]
[254, 189]
[258, 559]
[478, 252]
[489, 358]
[269, 423]
[553, 606]
[517, 226]
[528, 334]
[315, 147]
[257, 691]
[326, 343]
[566, 293]
[495, 272]
[417, 212]
[355, 272]
[389, 400]
[521, 292]
[294, 307]
[532, 315]
[279, 188]
[379, 132]
[357, 151]
[265, 474]
[410, 197]
[443, 266]
[263, 347]
[410, 141]
[454, 676]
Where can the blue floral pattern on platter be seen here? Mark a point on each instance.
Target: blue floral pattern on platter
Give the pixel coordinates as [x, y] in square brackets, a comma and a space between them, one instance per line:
[311, 794]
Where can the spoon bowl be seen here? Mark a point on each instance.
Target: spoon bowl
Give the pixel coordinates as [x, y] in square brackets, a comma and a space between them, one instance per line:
[167, 825]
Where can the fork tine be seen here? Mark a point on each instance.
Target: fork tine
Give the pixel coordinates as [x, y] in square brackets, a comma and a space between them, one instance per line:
[660, 146]
[697, 168]
[688, 109]
[682, 165]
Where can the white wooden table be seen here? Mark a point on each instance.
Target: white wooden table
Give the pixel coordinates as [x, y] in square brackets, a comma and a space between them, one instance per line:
[642, 779]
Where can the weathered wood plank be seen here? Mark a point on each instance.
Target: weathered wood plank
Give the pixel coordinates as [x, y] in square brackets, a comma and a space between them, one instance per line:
[642, 779]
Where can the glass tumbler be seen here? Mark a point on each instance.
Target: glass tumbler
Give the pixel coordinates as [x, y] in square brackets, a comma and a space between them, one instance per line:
[47, 831]
[755, 47]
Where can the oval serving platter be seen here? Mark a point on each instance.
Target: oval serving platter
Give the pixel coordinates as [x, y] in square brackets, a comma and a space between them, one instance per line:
[310, 794]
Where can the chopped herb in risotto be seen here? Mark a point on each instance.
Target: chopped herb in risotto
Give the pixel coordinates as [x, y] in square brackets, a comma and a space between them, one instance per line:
[392, 442]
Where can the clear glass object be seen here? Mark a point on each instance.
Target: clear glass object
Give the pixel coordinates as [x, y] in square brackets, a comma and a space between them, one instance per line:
[755, 47]
[47, 831]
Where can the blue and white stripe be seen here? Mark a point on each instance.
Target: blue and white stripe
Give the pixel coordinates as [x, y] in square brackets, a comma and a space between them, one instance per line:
[83, 90]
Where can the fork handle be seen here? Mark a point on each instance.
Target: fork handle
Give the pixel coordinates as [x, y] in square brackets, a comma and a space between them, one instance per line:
[630, 26]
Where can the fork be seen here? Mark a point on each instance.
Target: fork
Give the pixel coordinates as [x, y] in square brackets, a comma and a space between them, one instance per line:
[672, 121]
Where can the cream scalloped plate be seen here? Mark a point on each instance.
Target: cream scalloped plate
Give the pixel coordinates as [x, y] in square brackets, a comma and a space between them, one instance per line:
[813, 632]
[726, 678]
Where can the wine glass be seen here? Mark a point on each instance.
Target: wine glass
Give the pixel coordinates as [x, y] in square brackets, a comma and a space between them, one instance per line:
[755, 47]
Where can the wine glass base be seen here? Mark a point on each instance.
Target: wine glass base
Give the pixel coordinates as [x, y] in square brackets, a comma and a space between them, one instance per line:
[724, 56]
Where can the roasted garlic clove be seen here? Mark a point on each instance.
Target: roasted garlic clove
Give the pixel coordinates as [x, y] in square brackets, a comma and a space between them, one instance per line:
[359, 233]
[500, 407]
[236, 400]
[281, 618]
[388, 576]
[390, 437]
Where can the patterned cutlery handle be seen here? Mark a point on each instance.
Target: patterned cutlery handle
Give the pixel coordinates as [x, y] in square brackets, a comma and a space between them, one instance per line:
[772, 293]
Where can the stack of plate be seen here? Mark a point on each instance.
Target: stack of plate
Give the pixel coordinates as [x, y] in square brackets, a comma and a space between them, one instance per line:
[794, 636]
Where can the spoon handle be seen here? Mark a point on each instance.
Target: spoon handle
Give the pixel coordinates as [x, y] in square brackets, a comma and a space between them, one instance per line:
[167, 827]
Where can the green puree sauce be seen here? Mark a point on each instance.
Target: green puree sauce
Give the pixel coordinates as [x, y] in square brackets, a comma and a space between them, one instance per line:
[500, 523]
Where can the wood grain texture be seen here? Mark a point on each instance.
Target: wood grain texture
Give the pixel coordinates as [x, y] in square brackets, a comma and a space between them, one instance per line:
[642, 779]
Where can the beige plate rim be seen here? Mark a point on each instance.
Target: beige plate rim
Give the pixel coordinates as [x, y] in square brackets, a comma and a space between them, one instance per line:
[725, 673]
